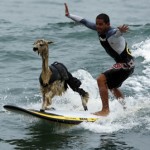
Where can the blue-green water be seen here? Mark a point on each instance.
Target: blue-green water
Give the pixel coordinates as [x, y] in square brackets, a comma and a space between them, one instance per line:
[21, 23]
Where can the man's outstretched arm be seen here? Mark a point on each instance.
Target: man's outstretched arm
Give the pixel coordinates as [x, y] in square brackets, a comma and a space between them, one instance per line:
[79, 19]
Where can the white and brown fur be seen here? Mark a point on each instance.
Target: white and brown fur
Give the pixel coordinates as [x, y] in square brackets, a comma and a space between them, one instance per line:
[58, 86]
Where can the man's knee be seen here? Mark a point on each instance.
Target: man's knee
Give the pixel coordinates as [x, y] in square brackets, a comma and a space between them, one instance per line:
[101, 80]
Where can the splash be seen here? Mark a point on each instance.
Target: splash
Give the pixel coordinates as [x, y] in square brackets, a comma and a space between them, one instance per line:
[142, 50]
[119, 119]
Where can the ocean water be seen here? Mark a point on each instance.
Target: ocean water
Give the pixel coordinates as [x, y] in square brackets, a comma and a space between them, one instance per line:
[21, 23]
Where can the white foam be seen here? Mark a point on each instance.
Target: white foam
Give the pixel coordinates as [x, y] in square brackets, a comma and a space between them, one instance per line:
[118, 118]
[143, 50]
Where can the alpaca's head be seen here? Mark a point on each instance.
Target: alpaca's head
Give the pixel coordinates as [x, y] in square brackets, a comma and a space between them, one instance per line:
[41, 47]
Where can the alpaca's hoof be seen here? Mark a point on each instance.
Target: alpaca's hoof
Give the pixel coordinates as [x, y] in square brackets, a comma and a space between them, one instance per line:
[85, 108]
[42, 110]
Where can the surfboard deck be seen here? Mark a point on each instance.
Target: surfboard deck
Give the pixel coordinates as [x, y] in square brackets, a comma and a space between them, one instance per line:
[57, 116]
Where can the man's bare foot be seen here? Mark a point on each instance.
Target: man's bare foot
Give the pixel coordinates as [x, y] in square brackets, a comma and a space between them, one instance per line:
[102, 113]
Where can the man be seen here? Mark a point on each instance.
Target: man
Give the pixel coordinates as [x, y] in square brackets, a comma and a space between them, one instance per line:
[115, 45]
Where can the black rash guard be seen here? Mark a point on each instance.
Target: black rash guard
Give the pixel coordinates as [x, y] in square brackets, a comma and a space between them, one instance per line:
[112, 41]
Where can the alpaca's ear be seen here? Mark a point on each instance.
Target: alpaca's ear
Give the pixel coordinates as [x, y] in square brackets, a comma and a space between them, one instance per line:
[49, 42]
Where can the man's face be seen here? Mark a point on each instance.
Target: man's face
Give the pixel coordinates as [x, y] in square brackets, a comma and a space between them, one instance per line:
[101, 26]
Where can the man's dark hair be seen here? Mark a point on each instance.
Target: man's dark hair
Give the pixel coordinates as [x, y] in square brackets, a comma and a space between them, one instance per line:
[104, 17]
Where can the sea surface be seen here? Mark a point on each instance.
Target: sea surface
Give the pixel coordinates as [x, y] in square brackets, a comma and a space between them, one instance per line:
[21, 23]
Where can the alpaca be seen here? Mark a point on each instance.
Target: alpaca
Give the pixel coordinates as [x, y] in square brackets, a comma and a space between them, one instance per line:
[54, 79]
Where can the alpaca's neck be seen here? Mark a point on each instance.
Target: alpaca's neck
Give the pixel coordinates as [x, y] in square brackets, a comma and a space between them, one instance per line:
[46, 72]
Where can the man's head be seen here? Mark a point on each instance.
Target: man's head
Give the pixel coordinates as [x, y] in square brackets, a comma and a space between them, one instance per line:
[102, 23]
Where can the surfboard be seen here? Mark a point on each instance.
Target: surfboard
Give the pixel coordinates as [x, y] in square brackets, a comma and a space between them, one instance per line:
[57, 116]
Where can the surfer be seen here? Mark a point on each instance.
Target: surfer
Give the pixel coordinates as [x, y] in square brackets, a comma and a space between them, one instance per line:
[116, 47]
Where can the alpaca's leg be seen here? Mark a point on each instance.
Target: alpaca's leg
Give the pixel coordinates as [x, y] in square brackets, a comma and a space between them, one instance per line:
[75, 83]
[47, 100]
[43, 103]
[49, 97]
[84, 97]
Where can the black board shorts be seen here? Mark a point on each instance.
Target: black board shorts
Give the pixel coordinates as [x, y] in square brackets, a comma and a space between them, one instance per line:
[116, 76]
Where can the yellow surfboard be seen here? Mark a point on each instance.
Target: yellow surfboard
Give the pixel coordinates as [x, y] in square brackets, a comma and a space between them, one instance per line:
[57, 116]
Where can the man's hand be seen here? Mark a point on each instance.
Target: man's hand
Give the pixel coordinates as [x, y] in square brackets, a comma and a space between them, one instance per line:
[66, 10]
[123, 28]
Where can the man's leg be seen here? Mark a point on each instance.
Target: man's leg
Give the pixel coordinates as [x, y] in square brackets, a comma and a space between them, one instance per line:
[119, 96]
[117, 93]
[103, 90]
